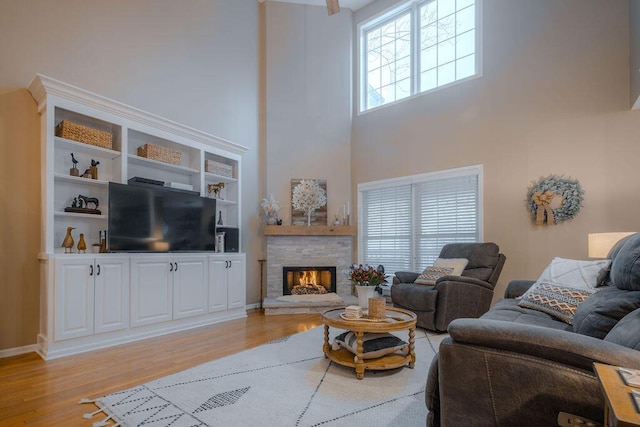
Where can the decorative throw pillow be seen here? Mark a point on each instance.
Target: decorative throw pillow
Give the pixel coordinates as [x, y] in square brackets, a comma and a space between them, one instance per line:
[458, 264]
[374, 344]
[574, 273]
[442, 267]
[556, 300]
[430, 274]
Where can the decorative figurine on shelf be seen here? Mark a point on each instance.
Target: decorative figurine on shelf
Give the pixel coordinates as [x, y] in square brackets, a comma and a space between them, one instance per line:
[88, 200]
[82, 245]
[94, 169]
[220, 218]
[74, 170]
[216, 189]
[80, 204]
[67, 243]
[86, 173]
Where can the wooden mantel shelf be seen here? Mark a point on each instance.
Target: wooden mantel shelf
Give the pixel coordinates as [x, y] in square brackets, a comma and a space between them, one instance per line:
[313, 230]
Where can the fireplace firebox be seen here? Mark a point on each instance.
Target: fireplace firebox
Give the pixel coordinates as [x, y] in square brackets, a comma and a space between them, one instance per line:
[308, 280]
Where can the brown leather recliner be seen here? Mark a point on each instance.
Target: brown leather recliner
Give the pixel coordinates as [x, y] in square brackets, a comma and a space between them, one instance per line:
[452, 297]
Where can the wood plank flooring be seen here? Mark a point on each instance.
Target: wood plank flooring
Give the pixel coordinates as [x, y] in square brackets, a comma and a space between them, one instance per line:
[39, 393]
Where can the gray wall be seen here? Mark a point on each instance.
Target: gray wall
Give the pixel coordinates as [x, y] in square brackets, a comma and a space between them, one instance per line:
[308, 107]
[194, 62]
[553, 99]
[634, 47]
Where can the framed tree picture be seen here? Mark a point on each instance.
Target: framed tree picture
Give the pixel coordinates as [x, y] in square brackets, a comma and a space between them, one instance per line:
[301, 190]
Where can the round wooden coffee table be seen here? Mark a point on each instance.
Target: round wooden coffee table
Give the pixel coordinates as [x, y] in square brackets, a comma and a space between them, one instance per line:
[397, 319]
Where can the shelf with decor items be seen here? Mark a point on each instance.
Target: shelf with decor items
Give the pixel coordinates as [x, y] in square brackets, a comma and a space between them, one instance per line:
[221, 183]
[89, 141]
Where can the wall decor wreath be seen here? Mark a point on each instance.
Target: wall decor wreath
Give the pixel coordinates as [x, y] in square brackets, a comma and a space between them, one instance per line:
[554, 199]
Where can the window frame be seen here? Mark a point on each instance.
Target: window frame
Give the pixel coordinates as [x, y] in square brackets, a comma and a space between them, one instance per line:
[389, 15]
[413, 181]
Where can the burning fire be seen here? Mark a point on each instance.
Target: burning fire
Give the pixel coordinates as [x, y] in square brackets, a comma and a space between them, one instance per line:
[308, 284]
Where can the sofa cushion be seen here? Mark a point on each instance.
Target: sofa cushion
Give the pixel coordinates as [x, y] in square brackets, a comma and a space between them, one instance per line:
[373, 344]
[574, 273]
[600, 312]
[605, 279]
[627, 331]
[507, 310]
[625, 269]
[556, 300]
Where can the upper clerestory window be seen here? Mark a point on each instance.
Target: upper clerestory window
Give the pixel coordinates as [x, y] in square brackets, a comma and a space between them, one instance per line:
[418, 46]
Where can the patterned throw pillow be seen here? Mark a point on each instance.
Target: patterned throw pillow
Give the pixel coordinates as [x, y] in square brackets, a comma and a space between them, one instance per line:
[374, 344]
[458, 264]
[574, 273]
[431, 274]
[556, 300]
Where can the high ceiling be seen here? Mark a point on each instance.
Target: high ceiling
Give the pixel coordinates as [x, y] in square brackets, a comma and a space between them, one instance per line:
[347, 4]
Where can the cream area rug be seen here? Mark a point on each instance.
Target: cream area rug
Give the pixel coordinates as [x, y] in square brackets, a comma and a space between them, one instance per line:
[287, 382]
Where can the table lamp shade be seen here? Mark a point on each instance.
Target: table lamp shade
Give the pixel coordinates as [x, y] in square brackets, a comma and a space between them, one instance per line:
[601, 243]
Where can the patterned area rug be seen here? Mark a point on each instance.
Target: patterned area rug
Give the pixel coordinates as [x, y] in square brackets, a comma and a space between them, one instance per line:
[285, 383]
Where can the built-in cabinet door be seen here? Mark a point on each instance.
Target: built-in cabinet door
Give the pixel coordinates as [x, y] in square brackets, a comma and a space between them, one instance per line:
[151, 289]
[74, 292]
[111, 294]
[236, 283]
[217, 283]
[189, 285]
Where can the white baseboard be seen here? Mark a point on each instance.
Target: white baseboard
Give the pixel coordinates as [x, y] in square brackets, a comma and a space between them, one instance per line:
[18, 350]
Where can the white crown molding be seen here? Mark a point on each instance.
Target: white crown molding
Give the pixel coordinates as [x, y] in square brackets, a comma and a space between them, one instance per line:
[41, 86]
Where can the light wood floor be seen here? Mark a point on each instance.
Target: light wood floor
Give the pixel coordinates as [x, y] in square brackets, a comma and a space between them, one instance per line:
[38, 393]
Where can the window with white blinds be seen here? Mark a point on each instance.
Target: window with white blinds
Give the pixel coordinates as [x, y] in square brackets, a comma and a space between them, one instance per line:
[404, 223]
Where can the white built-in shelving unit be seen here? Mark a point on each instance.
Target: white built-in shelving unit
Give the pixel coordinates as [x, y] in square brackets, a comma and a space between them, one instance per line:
[94, 300]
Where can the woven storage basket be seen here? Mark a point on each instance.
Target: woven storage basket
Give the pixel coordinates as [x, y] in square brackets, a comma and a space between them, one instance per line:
[162, 154]
[218, 168]
[80, 133]
[377, 308]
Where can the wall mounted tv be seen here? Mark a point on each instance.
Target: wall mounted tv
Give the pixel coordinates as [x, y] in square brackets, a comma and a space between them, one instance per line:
[156, 219]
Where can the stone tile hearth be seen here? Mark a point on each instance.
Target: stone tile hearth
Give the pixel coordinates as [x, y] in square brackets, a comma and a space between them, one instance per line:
[331, 246]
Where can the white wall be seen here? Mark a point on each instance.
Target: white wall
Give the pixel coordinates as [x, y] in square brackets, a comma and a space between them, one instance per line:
[194, 62]
[553, 99]
[308, 107]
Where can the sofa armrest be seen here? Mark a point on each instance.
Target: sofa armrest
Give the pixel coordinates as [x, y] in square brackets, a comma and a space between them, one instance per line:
[406, 276]
[504, 374]
[517, 288]
[567, 348]
[458, 280]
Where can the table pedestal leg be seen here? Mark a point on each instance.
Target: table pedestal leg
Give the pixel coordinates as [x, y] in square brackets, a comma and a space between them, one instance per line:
[359, 359]
[412, 353]
[325, 346]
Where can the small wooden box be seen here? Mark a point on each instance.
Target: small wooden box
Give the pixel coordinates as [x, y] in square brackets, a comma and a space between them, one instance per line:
[75, 132]
[161, 154]
[218, 168]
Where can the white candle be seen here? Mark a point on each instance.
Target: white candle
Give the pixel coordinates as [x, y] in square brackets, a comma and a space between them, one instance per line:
[348, 211]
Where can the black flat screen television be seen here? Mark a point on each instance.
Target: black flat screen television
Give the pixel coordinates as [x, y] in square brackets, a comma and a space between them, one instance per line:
[149, 219]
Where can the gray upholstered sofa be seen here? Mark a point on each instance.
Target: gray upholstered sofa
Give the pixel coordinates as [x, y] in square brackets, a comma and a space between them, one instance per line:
[452, 297]
[517, 366]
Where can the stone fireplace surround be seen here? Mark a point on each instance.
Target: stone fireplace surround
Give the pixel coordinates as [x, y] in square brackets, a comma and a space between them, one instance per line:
[307, 246]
